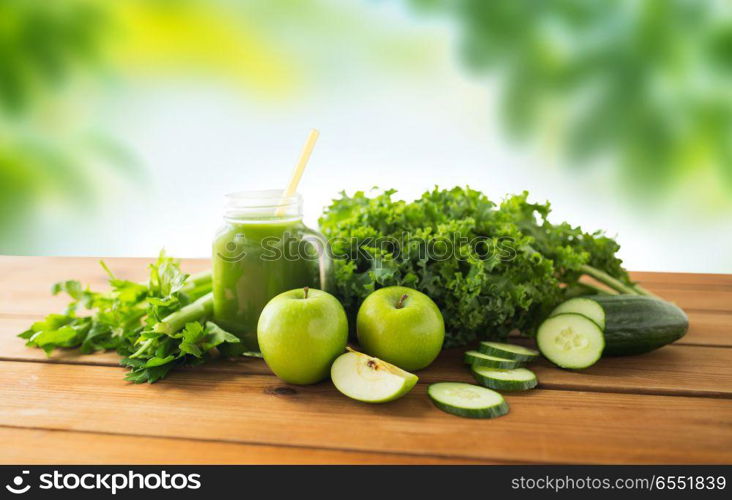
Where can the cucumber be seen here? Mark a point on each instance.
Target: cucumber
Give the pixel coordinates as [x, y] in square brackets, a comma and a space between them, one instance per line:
[633, 324]
[584, 306]
[518, 379]
[476, 358]
[467, 400]
[508, 351]
[570, 340]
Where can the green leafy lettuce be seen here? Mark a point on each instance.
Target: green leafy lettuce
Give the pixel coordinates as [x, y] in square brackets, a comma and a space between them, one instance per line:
[491, 268]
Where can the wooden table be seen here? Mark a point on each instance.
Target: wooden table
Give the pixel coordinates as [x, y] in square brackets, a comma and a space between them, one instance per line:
[670, 406]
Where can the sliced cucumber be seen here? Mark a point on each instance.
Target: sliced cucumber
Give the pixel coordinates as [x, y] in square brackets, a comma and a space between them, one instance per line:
[632, 324]
[476, 358]
[467, 400]
[518, 379]
[508, 351]
[570, 340]
[636, 324]
[584, 306]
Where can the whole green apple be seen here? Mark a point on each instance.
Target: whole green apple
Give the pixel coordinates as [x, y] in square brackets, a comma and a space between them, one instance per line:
[401, 326]
[301, 333]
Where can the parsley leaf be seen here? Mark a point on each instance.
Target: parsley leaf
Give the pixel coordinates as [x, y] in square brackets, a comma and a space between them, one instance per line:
[155, 326]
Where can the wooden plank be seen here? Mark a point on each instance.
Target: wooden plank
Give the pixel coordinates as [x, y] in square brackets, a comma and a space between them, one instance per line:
[676, 369]
[683, 280]
[543, 426]
[21, 271]
[12, 347]
[27, 281]
[708, 328]
[18, 269]
[705, 329]
[673, 370]
[696, 301]
[16, 302]
[87, 269]
[21, 446]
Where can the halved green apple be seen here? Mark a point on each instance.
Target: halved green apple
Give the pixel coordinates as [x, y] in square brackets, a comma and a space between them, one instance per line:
[370, 380]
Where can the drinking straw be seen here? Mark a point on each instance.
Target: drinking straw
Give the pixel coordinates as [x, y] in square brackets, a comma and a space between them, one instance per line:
[297, 173]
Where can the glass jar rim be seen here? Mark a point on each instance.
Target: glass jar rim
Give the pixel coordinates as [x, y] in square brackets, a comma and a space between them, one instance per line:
[263, 205]
[261, 199]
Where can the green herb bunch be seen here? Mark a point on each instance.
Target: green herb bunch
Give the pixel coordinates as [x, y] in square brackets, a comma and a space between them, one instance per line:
[490, 268]
[155, 326]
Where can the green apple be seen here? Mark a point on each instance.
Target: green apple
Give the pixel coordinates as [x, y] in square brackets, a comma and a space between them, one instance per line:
[401, 326]
[300, 333]
[370, 380]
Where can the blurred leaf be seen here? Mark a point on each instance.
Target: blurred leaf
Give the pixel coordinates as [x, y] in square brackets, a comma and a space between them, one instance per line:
[114, 153]
[45, 164]
[41, 43]
[645, 83]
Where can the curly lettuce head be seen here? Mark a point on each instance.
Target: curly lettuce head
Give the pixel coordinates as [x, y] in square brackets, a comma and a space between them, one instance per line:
[490, 268]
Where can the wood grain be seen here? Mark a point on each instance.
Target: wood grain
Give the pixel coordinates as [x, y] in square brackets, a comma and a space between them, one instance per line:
[48, 447]
[708, 328]
[669, 406]
[692, 371]
[38, 300]
[32, 277]
[673, 370]
[543, 426]
[13, 348]
[705, 329]
[25, 282]
[702, 282]
[17, 269]
[697, 301]
[27, 272]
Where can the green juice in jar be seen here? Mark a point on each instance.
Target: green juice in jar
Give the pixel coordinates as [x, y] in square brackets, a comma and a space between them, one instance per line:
[262, 250]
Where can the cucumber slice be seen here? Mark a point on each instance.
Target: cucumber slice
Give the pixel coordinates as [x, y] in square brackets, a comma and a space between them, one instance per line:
[476, 358]
[508, 351]
[584, 306]
[518, 379]
[570, 340]
[467, 400]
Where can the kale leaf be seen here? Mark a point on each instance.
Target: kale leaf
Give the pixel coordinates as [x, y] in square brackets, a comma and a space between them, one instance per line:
[491, 268]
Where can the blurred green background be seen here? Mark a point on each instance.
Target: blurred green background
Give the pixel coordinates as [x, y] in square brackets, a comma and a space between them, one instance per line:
[123, 123]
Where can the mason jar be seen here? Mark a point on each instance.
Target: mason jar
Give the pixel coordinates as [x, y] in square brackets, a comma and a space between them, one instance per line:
[262, 250]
